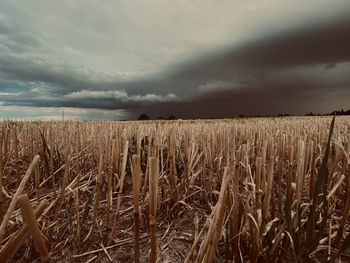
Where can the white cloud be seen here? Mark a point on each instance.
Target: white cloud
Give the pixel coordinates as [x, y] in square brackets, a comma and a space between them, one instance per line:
[6, 94]
[120, 95]
[34, 92]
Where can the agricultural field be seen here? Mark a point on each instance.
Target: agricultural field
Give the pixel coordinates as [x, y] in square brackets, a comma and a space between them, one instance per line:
[232, 190]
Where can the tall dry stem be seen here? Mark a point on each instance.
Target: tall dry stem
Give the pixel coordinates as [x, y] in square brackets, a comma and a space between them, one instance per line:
[153, 201]
[33, 227]
[18, 192]
[136, 171]
[17, 240]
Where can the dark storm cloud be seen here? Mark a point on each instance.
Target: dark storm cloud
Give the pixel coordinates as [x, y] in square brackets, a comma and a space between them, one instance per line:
[258, 63]
[264, 99]
[106, 104]
[324, 43]
[88, 103]
[62, 78]
[283, 72]
[280, 73]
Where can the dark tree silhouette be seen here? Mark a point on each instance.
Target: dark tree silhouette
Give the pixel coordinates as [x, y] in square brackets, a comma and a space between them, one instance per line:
[340, 112]
[143, 117]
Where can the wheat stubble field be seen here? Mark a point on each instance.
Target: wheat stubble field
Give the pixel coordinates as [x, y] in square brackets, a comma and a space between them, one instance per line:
[239, 190]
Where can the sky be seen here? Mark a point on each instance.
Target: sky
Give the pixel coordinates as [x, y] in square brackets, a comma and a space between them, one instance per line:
[113, 59]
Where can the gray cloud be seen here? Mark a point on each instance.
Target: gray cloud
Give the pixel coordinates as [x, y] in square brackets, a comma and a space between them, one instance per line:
[276, 56]
[286, 72]
[285, 99]
[330, 66]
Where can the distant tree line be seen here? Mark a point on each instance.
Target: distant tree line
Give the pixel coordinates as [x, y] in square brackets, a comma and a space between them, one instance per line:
[341, 112]
[144, 116]
[336, 112]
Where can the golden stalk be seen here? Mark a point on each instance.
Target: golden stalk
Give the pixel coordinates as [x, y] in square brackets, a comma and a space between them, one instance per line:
[109, 195]
[77, 214]
[346, 211]
[33, 227]
[210, 243]
[1, 175]
[269, 189]
[120, 192]
[16, 241]
[136, 195]
[16, 156]
[153, 200]
[18, 192]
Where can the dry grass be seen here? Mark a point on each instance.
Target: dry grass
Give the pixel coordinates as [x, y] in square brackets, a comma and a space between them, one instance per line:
[272, 190]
